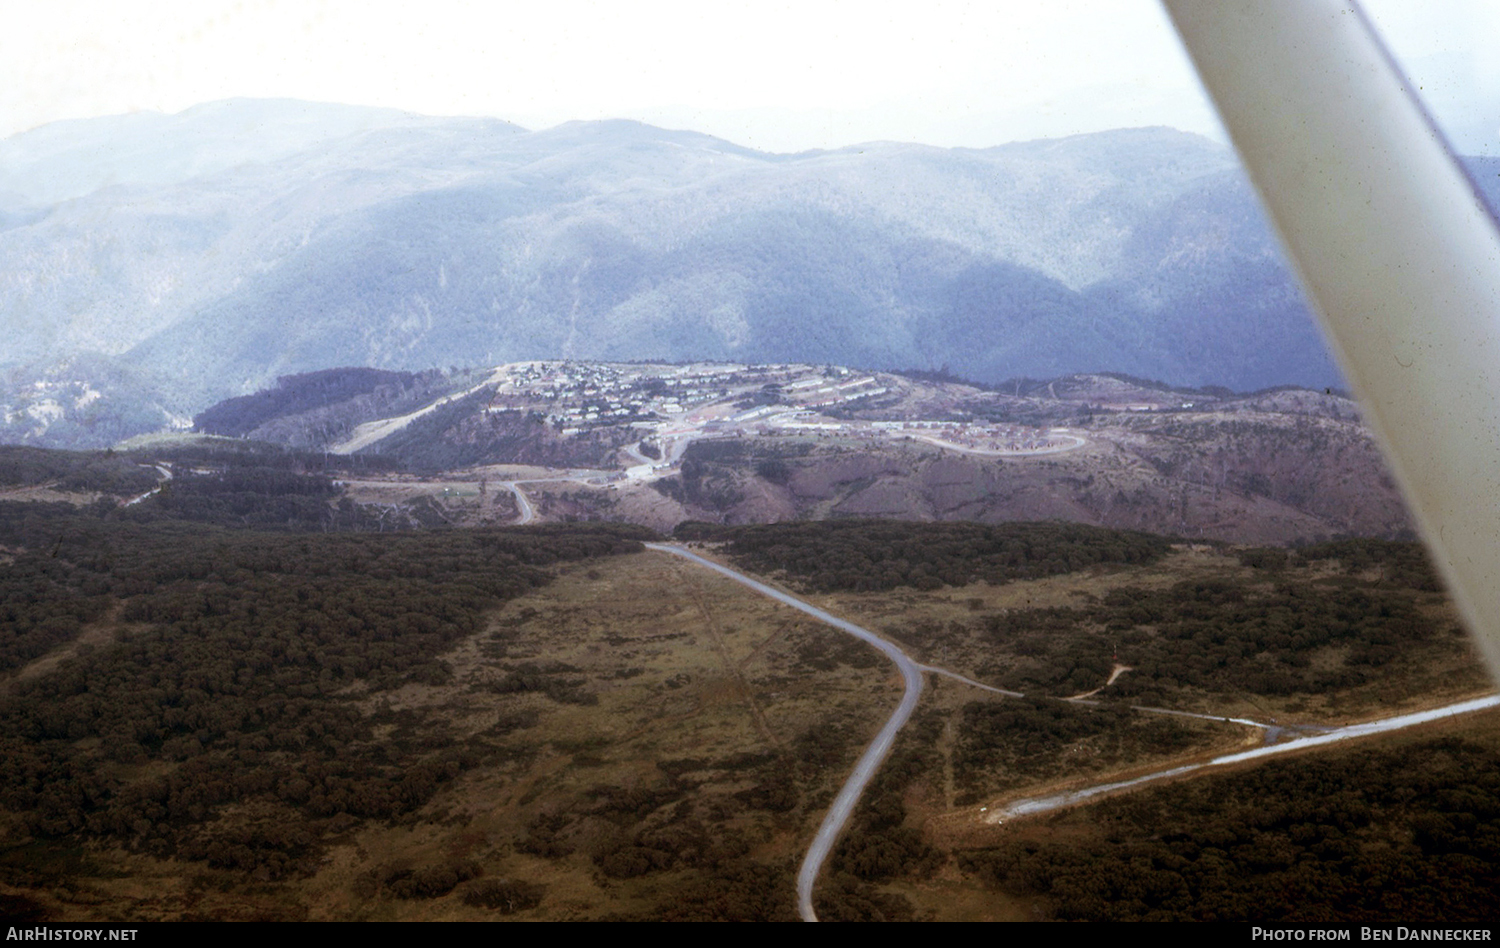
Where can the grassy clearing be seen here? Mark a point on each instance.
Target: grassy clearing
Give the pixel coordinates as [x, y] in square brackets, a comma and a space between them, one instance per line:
[1064, 635]
[644, 739]
[643, 732]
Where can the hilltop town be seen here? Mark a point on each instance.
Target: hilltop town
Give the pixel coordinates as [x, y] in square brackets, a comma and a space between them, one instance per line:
[657, 444]
[674, 405]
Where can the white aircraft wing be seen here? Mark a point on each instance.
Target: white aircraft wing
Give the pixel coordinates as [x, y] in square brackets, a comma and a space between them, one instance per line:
[1395, 250]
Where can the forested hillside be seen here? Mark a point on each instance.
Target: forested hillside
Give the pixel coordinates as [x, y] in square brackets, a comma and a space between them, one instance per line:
[406, 243]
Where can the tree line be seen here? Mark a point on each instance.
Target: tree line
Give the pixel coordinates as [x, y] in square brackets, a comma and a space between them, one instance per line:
[873, 555]
[237, 671]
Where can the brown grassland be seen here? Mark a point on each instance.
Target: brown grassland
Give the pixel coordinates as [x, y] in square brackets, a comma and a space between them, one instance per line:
[658, 742]
[662, 697]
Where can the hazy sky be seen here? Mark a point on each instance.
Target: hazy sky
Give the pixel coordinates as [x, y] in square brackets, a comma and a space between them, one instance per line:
[776, 76]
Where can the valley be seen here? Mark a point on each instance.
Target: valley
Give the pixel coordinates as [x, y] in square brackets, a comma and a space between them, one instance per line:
[551, 722]
[407, 518]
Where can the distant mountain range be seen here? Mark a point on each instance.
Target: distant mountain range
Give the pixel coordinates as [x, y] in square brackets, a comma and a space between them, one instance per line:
[152, 265]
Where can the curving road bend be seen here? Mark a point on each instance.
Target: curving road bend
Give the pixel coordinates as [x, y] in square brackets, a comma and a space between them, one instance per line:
[525, 512]
[166, 475]
[843, 805]
[911, 673]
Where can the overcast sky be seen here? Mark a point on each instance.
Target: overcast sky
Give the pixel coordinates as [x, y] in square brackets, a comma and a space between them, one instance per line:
[774, 76]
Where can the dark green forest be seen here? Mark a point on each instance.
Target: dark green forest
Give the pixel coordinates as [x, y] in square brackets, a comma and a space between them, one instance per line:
[257, 620]
[1346, 837]
[240, 670]
[104, 471]
[293, 394]
[242, 677]
[873, 555]
[1316, 620]
[1326, 619]
[224, 482]
[125, 474]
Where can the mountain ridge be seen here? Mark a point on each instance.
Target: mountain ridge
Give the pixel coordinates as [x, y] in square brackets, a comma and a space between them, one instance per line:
[404, 242]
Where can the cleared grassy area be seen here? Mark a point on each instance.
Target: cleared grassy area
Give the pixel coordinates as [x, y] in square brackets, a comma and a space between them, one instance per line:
[640, 740]
[1353, 641]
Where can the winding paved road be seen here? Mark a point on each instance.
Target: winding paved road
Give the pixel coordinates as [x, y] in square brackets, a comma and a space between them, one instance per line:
[525, 512]
[166, 475]
[911, 673]
[1056, 801]
[843, 805]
